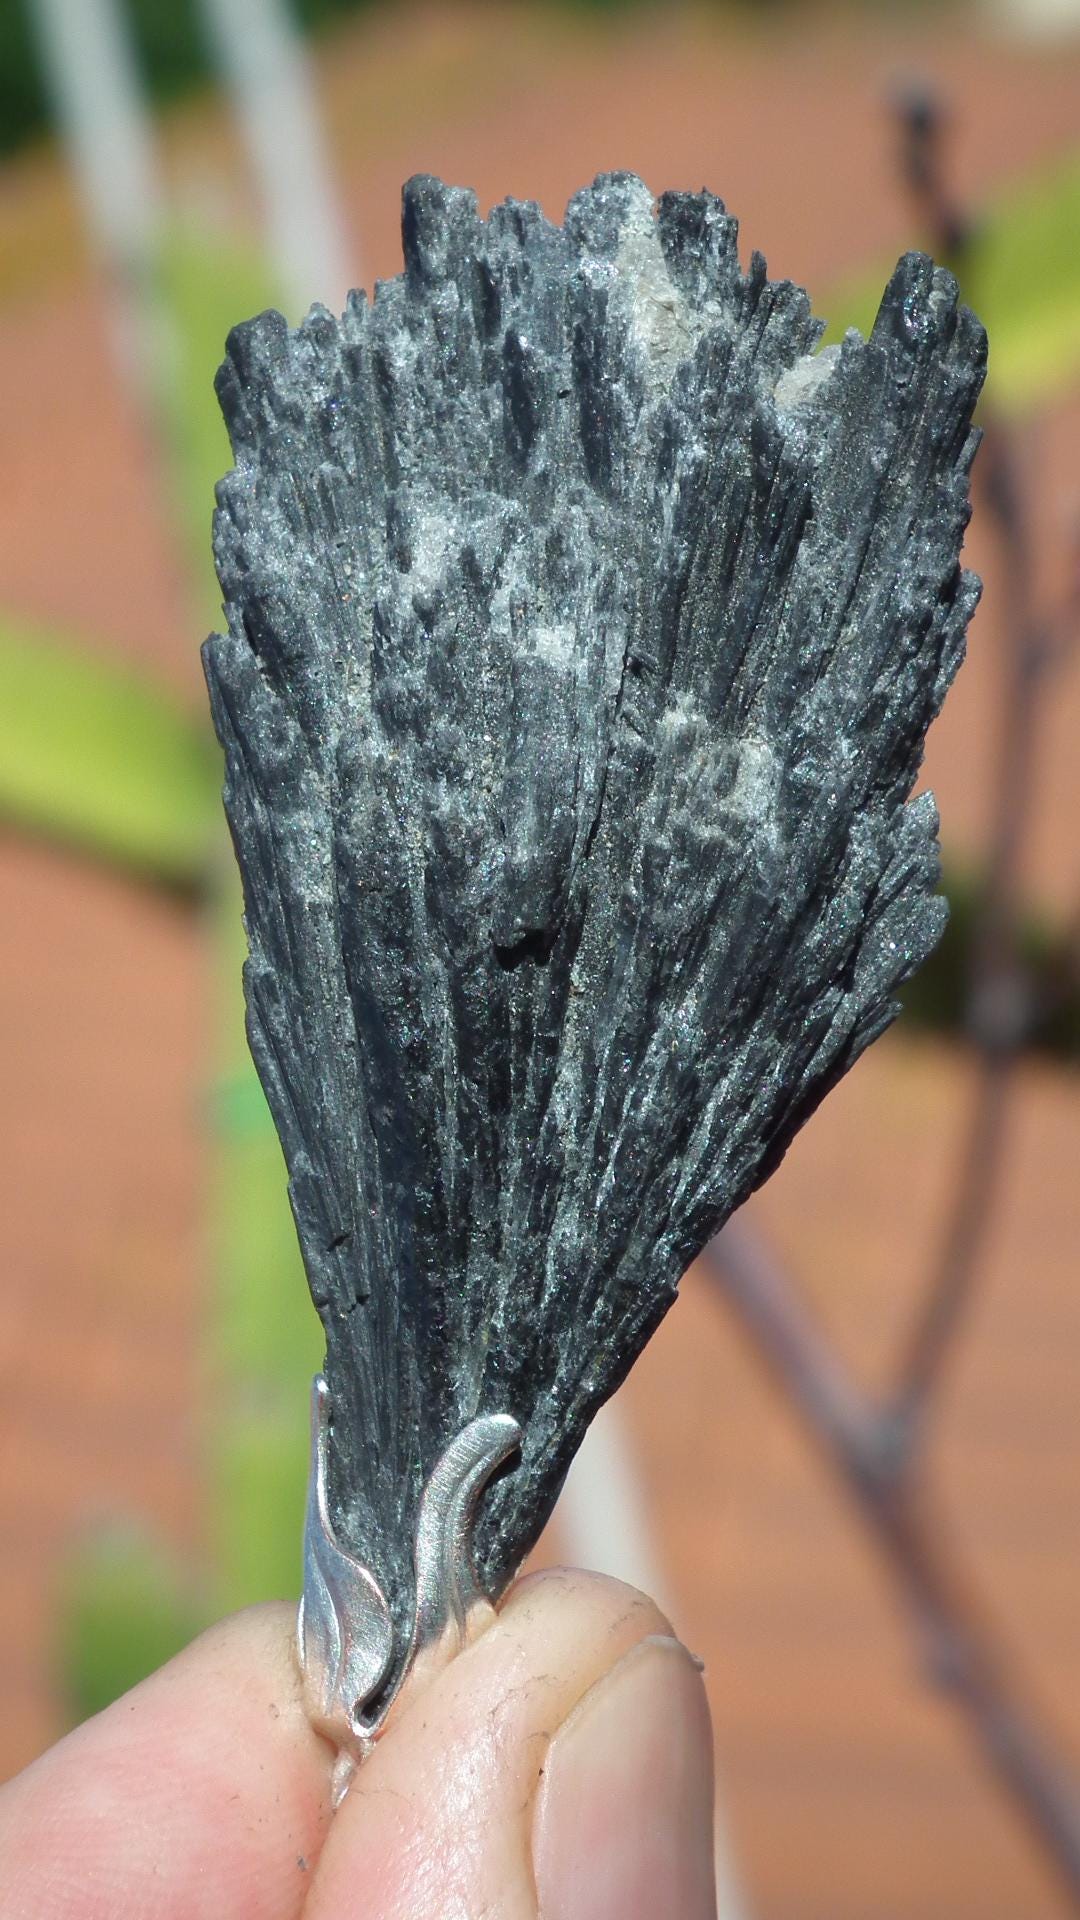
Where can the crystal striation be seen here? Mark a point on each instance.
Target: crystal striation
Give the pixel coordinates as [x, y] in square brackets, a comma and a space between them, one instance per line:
[585, 620]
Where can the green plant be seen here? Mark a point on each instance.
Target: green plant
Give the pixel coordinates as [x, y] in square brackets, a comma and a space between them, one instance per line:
[103, 759]
[1022, 276]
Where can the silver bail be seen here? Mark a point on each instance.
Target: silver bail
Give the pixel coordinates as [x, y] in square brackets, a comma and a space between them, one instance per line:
[345, 1633]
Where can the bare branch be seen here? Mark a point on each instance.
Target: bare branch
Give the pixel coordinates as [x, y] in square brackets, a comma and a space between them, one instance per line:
[1001, 1006]
[1063, 627]
[890, 1493]
[1001, 1003]
[923, 120]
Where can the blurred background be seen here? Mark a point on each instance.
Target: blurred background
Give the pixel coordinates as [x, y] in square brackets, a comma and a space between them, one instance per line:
[849, 1463]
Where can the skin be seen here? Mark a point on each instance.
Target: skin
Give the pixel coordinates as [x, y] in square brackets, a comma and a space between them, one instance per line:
[558, 1769]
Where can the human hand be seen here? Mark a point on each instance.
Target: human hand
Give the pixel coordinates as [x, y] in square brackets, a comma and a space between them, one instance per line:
[559, 1769]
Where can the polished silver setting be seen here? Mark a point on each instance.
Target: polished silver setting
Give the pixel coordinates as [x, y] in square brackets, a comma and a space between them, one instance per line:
[344, 1631]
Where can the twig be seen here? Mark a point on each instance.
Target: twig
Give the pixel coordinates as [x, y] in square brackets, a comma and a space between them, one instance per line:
[922, 122]
[1063, 627]
[1001, 1008]
[890, 1492]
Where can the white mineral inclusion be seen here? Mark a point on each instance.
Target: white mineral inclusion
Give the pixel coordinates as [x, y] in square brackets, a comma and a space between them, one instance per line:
[754, 794]
[804, 381]
[662, 324]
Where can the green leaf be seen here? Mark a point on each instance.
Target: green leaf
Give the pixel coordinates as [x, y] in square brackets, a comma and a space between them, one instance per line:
[1022, 277]
[98, 757]
[264, 1325]
[262, 1339]
[260, 1459]
[207, 286]
[90, 753]
[125, 1608]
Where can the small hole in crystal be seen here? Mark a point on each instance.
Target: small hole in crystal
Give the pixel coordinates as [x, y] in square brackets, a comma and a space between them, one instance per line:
[535, 946]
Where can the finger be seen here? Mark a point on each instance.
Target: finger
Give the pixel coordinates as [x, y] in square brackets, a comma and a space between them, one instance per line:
[201, 1793]
[624, 1822]
[561, 1765]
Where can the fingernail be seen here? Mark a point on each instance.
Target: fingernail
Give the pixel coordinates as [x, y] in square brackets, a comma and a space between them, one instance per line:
[624, 1821]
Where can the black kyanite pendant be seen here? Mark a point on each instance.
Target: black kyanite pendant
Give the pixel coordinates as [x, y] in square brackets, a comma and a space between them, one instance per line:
[584, 626]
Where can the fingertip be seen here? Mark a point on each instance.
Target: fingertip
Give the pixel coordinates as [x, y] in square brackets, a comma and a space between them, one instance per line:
[624, 1818]
[439, 1817]
[207, 1778]
[597, 1602]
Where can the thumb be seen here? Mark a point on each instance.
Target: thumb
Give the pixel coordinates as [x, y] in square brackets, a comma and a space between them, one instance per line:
[559, 1769]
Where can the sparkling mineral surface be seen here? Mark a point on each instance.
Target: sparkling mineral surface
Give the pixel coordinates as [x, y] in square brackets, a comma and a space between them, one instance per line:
[585, 620]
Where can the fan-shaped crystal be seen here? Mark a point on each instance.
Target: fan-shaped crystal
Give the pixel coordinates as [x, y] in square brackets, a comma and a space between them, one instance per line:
[584, 625]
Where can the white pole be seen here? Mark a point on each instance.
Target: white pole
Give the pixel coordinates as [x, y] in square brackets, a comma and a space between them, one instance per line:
[270, 79]
[91, 74]
[601, 1511]
[605, 1525]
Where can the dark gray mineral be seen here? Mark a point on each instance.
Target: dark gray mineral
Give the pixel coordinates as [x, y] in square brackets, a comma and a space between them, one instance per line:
[584, 626]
